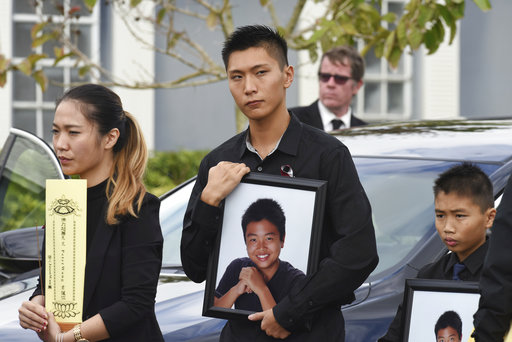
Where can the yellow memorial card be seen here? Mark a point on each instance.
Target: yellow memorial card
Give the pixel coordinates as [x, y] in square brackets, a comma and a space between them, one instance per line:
[66, 242]
[471, 339]
[507, 338]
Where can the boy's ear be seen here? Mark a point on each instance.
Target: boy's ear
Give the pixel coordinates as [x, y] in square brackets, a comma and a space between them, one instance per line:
[288, 74]
[490, 215]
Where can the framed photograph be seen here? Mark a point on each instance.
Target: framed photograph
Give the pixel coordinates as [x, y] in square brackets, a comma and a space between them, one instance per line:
[269, 240]
[439, 308]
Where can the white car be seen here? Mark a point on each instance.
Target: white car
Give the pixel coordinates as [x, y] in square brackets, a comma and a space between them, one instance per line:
[396, 163]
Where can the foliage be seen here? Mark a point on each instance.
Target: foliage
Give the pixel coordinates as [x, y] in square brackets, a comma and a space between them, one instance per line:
[23, 205]
[167, 169]
[423, 22]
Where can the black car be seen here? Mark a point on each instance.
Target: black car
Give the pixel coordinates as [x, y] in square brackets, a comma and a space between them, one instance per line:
[397, 164]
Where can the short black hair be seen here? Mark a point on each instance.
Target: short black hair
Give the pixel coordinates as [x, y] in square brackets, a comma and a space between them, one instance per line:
[265, 209]
[449, 319]
[467, 180]
[246, 37]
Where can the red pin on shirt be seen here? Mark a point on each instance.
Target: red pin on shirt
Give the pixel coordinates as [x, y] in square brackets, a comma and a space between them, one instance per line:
[286, 170]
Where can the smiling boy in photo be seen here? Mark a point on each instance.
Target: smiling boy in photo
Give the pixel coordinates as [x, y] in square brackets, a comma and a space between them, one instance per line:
[464, 209]
[260, 280]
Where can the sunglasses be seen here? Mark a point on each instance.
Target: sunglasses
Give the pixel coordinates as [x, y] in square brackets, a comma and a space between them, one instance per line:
[338, 79]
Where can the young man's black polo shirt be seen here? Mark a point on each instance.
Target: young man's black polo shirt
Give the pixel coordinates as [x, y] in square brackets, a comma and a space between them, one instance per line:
[441, 269]
[348, 247]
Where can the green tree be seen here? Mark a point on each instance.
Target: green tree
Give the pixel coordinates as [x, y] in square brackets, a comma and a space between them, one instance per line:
[423, 22]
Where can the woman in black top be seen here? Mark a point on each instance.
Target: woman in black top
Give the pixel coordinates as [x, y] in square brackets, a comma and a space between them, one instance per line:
[96, 139]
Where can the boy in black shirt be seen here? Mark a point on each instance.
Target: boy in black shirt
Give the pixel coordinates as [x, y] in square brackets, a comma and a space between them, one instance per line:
[262, 279]
[464, 209]
[277, 143]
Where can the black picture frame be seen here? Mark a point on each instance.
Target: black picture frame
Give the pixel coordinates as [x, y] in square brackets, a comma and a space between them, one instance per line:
[302, 201]
[426, 300]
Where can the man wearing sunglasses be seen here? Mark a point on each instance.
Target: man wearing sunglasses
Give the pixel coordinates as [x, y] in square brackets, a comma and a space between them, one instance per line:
[340, 77]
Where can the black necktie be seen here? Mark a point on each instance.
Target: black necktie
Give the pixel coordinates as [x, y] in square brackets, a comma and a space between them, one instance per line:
[337, 124]
[457, 268]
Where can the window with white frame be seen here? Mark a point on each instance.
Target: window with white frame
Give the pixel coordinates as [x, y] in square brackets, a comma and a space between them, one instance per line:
[33, 109]
[387, 92]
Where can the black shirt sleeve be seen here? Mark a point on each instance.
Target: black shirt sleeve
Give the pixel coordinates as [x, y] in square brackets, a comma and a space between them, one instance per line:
[430, 271]
[492, 320]
[141, 263]
[394, 333]
[229, 278]
[348, 250]
[200, 226]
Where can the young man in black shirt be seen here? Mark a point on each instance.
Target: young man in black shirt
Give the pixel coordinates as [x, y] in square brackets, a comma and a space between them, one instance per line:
[464, 209]
[258, 75]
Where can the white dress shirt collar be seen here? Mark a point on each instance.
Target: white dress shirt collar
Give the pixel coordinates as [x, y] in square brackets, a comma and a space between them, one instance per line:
[327, 116]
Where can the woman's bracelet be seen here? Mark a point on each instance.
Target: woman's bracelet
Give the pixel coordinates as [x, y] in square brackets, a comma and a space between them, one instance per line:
[59, 337]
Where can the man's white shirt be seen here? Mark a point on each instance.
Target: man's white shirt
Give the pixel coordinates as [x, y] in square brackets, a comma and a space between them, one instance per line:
[327, 116]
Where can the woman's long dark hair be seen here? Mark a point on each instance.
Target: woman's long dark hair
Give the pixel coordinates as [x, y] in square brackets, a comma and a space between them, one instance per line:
[103, 107]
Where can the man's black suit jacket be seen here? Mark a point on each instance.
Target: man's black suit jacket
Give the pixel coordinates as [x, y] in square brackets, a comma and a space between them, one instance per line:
[492, 320]
[311, 115]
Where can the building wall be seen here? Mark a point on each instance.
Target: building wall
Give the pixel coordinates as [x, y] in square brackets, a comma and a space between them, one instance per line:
[486, 70]
[202, 117]
[128, 55]
[118, 53]
[306, 72]
[439, 80]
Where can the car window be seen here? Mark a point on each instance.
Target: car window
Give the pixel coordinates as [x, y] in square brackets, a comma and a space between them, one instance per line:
[399, 190]
[401, 194]
[172, 211]
[22, 184]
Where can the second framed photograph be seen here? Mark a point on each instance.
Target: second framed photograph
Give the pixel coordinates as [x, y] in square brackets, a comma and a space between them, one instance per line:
[268, 242]
[439, 310]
